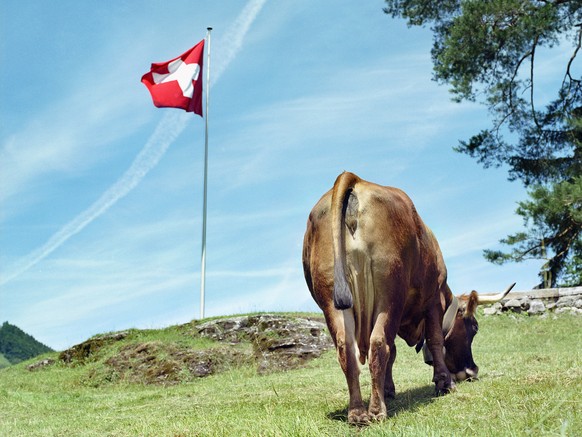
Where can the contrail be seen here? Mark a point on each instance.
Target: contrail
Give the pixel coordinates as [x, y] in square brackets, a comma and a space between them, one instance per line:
[166, 132]
[229, 46]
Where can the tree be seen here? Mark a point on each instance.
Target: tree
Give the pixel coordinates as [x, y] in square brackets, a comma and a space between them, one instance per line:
[489, 51]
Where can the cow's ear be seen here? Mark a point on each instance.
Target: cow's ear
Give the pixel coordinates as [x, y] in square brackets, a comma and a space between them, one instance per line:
[472, 304]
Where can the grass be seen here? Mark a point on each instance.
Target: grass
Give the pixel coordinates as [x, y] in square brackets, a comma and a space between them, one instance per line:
[531, 384]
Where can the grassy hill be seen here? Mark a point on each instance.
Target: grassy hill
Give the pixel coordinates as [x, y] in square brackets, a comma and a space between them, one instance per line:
[145, 383]
[4, 361]
[16, 345]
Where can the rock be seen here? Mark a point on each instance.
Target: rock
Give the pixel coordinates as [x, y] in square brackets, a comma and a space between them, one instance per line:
[232, 330]
[536, 307]
[496, 308]
[282, 344]
[490, 311]
[40, 365]
[513, 305]
[569, 310]
[525, 303]
[564, 304]
[279, 342]
[566, 301]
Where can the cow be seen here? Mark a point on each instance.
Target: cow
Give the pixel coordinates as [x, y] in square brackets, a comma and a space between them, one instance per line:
[376, 271]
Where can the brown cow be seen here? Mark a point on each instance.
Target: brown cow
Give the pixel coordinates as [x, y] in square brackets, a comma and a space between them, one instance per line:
[376, 270]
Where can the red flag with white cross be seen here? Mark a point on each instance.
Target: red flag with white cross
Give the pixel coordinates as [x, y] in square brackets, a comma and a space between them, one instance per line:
[178, 83]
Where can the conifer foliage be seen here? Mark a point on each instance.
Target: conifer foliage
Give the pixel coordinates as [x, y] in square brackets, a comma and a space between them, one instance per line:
[493, 52]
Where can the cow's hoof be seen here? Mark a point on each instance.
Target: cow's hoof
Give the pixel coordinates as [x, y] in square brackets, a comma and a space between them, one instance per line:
[444, 384]
[377, 417]
[442, 388]
[358, 416]
[377, 410]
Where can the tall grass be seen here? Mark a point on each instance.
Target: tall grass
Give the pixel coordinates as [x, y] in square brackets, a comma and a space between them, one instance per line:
[531, 384]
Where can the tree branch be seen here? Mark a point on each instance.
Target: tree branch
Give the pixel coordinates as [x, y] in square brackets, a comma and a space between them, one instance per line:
[572, 58]
[531, 75]
[515, 72]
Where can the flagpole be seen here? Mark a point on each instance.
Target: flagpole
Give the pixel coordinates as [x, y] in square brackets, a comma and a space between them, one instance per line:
[203, 261]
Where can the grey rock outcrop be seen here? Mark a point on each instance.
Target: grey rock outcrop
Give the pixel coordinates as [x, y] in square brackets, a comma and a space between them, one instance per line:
[536, 307]
[540, 302]
[279, 342]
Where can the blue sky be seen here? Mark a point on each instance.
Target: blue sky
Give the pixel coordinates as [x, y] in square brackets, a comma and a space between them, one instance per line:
[101, 192]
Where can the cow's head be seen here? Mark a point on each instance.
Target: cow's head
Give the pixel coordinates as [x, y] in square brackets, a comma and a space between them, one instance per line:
[459, 338]
[458, 341]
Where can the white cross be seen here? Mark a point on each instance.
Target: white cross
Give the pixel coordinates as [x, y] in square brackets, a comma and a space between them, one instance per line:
[183, 73]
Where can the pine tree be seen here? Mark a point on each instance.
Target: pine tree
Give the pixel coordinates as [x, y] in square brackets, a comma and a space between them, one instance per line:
[488, 51]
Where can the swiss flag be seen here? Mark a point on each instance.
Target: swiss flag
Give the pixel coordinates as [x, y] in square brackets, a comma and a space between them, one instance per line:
[178, 82]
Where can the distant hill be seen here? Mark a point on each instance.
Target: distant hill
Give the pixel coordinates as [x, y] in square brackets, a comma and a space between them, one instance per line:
[16, 345]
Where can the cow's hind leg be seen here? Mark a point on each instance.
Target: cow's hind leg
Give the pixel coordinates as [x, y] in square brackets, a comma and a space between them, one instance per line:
[389, 388]
[347, 356]
[380, 355]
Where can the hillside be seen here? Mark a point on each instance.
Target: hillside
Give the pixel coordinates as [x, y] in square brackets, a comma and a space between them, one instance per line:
[4, 362]
[278, 375]
[16, 345]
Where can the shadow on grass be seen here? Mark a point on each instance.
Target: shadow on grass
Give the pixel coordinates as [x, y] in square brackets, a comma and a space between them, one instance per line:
[409, 400]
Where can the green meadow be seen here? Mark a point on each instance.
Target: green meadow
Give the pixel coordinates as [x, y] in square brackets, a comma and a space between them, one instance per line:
[530, 384]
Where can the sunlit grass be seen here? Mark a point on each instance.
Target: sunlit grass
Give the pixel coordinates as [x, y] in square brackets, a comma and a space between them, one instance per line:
[531, 381]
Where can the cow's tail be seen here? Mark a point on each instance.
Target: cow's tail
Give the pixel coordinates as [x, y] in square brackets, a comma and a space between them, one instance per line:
[342, 189]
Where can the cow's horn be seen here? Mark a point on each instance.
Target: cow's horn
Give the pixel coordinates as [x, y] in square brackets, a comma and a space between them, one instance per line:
[492, 298]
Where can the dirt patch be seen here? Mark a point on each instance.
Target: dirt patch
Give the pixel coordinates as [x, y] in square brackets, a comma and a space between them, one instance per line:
[161, 363]
[79, 353]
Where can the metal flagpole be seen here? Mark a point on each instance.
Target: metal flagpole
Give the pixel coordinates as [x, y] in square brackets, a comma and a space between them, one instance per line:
[203, 262]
